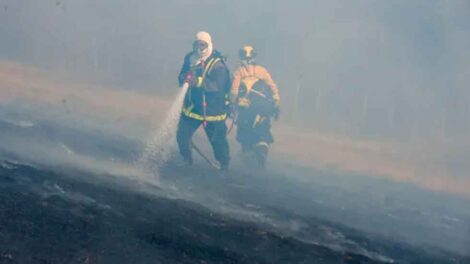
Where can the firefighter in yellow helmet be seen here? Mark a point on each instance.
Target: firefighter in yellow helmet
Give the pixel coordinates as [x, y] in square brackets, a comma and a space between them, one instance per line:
[257, 100]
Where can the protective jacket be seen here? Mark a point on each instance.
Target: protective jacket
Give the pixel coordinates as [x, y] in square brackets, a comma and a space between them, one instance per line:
[247, 77]
[207, 98]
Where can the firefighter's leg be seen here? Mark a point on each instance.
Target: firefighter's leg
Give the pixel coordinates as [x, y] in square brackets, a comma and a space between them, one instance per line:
[264, 139]
[186, 128]
[261, 153]
[217, 134]
[267, 135]
[243, 138]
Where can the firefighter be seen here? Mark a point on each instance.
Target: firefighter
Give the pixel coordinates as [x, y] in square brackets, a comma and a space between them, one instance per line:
[206, 101]
[256, 97]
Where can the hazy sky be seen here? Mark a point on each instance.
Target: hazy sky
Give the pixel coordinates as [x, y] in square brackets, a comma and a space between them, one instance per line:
[397, 68]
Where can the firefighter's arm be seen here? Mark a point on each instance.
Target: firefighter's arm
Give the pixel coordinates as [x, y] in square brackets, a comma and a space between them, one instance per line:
[266, 77]
[234, 89]
[183, 75]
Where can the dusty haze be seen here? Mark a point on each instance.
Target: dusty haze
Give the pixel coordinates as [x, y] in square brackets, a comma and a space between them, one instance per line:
[387, 72]
[369, 88]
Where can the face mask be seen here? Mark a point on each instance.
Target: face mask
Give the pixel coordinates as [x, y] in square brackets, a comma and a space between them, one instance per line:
[200, 47]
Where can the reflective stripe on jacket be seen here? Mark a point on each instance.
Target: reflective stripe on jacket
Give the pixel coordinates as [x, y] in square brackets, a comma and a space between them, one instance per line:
[212, 87]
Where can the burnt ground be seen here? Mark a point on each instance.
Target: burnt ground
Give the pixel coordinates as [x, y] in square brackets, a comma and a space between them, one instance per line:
[52, 216]
[46, 217]
[60, 214]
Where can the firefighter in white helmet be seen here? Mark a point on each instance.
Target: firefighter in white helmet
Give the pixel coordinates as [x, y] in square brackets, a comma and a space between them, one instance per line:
[206, 101]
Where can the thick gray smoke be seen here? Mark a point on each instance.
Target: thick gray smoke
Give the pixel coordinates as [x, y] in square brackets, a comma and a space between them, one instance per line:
[361, 82]
[388, 69]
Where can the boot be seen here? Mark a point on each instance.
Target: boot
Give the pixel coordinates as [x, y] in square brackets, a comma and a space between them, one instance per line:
[223, 171]
[184, 162]
[261, 154]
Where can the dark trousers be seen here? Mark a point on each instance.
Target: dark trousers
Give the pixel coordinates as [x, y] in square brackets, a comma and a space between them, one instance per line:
[250, 132]
[216, 133]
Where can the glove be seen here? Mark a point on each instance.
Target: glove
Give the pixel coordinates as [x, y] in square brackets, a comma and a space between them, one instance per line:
[191, 79]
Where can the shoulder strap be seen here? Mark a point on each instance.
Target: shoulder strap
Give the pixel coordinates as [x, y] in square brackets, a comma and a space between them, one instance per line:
[209, 66]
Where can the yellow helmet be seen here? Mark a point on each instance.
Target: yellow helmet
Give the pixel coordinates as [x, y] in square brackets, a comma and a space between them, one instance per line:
[247, 53]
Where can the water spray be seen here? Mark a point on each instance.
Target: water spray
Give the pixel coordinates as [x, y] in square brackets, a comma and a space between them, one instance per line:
[162, 144]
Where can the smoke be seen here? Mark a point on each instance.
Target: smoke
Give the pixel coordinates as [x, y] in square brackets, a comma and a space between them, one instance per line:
[369, 71]
[367, 87]
[158, 150]
[386, 70]
[62, 156]
[364, 70]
